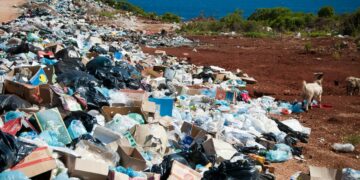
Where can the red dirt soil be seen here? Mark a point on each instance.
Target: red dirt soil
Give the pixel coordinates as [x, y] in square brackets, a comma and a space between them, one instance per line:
[280, 65]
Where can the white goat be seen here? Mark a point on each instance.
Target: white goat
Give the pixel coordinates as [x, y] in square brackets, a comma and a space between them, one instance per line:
[312, 91]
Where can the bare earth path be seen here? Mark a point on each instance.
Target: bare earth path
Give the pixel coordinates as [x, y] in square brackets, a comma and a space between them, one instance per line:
[7, 11]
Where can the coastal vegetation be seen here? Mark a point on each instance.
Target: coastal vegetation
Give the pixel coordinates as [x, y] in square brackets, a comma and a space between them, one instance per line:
[264, 22]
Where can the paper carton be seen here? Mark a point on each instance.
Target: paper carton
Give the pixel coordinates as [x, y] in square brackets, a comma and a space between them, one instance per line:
[28, 92]
[180, 172]
[151, 137]
[222, 149]
[87, 169]
[37, 162]
[131, 157]
[147, 110]
[113, 175]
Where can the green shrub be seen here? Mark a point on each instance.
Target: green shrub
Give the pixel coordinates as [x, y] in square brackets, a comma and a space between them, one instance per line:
[233, 21]
[351, 24]
[353, 139]
[308, 47]
[169, 17]
[152, 15]
[269, 14]
[326, 11]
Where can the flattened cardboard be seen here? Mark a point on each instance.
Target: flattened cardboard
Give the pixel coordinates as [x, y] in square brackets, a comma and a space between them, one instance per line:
[181, 172]
[222, 149]
[323, 173]
[87, 169]
[37, 162]
[131, 157]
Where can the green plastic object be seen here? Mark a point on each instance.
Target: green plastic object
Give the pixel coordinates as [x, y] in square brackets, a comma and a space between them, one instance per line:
[137, 117]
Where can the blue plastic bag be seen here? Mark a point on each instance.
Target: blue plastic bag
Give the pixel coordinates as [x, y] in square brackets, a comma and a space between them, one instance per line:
[13, 115]
[76, 129]
[13, 175]
[51, 137]
[280, 153]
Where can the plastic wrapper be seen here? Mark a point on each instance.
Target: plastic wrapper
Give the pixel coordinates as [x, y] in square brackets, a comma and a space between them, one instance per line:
[350, 174]
[76, 129]
[97, 152]
[12, 102]
[12, 151]
[129, 171]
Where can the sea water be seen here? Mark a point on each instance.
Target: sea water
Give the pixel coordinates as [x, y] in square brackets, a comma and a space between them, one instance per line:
[189, 9]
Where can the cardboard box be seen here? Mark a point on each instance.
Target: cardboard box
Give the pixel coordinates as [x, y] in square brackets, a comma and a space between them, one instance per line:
[113, 175]
[322, 173]
[87, 169]
[180, 172]
[198, 134]
[147, 109]
[222, 149]
[134, 97]
[152, 137]
[37, 162]
[27, 91]
[131, 157]
[48, 96]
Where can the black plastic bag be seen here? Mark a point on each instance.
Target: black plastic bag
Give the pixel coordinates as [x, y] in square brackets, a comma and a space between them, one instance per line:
[164, 168]
[12, 151]
[298, 135]
[98, 63]
[243, 169]
[11, 103]
[22, 48]
[76, 79]
[95, 100]
[98, 49]
[87, 120]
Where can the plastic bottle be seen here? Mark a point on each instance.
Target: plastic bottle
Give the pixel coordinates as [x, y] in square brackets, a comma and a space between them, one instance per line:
[343, 147]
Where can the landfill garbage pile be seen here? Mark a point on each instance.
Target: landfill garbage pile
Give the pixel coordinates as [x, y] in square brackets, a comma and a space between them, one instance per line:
[83, 101]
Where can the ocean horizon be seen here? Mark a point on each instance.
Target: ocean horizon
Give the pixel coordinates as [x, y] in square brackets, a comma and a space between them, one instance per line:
[189, 9]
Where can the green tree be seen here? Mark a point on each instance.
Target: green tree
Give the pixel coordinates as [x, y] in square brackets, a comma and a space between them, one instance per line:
[326, 11]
